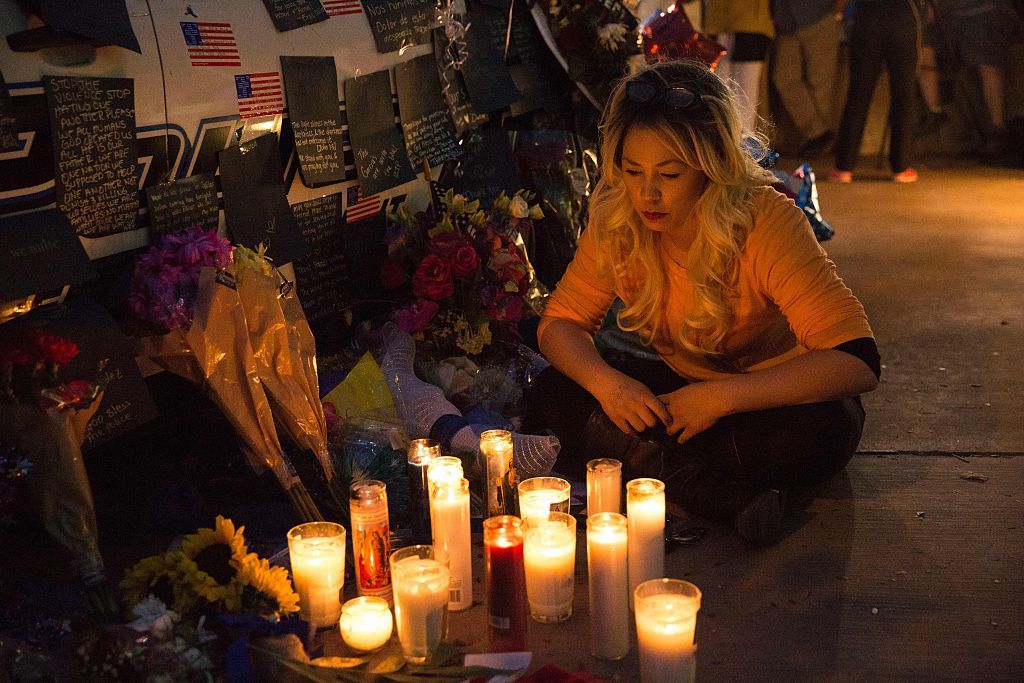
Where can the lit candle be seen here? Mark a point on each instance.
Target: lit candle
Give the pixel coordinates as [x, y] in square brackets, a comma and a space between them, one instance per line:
[645, 512]
[506, 583]
[541, 495]
[549, 553]
[666, 615]
[371, 540]
[443, 468]
[421, 599]
[420, 453]
[449, 512]
[496, 451]
[609, 585]
[365, 623]
[317, 554]
[604, 486]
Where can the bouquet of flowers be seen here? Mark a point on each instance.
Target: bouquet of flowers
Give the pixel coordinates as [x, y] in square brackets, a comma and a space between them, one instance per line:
[461, 273]
[45, 419]
[186, 307]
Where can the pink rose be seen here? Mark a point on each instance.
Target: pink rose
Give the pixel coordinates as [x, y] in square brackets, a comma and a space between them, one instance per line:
[433, 278]
[465, 261]
[416, 316]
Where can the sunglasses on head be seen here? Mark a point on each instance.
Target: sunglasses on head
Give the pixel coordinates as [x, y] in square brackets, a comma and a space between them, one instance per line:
[642, 92]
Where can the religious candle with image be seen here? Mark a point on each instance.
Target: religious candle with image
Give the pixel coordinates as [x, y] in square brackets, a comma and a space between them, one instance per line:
[371, 543]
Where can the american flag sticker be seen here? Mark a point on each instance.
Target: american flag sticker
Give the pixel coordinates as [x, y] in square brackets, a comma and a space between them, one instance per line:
[337, 8]
[259, 94]
[358, 207]
[210, 44]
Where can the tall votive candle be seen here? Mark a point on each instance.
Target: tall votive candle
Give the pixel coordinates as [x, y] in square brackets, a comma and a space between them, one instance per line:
[371, 537]
[449, 511]
[497, 454]
[421, 582]
[609, 585]
[541, 495]
[419, 455]
[549, 553]
[506, 583]
[604, 486]
[645, 515]
[666, 616]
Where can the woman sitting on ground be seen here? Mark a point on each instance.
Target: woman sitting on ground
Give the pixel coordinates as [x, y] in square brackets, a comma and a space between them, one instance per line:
[763, 349]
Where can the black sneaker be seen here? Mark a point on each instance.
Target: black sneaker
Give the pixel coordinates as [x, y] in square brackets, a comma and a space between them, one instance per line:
[815, 147]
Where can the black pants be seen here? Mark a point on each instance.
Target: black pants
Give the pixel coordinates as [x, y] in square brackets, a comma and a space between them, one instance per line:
[778, 448]
[884, 32]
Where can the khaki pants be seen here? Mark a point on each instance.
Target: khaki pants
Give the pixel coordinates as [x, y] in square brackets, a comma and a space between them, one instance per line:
[805, 73]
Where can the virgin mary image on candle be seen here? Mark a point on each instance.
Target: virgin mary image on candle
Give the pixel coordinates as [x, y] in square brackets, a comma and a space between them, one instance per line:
[373, 559]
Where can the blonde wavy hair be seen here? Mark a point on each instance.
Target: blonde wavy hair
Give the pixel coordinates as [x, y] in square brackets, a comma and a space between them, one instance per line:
[707, 136]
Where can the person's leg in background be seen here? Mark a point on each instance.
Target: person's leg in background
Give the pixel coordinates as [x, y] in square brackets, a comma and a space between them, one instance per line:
[790, 59]
[820, 45]
[865, 66]
[900, 49]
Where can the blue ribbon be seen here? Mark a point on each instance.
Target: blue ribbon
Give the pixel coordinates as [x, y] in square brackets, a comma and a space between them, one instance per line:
[445, 428]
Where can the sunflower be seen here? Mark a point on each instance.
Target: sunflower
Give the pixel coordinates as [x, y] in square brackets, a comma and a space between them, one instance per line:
[266, 589]
[161, 576]
[211, 560]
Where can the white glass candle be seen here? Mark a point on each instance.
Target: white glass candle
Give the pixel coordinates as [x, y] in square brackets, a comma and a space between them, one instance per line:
[645, 512]
[604, 486]
[421, 452]
[541, 495]
[365, 623]
[549, 555]
[443, 468]
[449, 523]
[496, 452]
[316, 551]
[666, 615]
[609, 585]
[421, 582]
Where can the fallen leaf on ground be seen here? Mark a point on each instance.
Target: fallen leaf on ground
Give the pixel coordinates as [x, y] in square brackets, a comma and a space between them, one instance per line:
[973, 476]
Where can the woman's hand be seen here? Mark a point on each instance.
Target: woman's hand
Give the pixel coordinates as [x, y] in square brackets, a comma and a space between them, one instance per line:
[693, 409]
[631, 405]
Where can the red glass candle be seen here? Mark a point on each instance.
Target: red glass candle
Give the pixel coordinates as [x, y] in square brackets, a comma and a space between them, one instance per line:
[507, 611]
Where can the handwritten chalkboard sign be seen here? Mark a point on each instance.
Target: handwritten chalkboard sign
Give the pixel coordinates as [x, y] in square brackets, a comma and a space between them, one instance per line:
[95, 153]
[9, 141]
[487, 78]
[311, 85]
[321, 277]
[380, 155]
[426, 123]
[292, 14]
[487, 168]
[178, 206]
[395, 23]
[453, 88]
[255, 206]
[39, 252]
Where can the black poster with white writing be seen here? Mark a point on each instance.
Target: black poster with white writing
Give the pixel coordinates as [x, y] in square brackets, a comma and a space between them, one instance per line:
[311, 86]
[40, 252]
[9, 141]
[321, 277]
[255, 206]
[103, 21]
[377, 144]
[398, 23]
[95, 152]
[488, 80]
[292, 14]
[487, 168]
[426, 123]
[365, 250]
[182, 204]
[453, 86]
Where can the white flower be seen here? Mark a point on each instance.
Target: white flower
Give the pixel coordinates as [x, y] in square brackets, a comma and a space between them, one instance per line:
[611, 36]
[519, 208]
[152, 615]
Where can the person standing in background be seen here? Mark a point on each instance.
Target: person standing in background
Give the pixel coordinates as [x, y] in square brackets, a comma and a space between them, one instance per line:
[804, 66]
[884, 32]
[744, 28]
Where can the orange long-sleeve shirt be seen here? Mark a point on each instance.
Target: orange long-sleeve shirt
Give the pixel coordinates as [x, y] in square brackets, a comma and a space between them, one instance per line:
[790, 298]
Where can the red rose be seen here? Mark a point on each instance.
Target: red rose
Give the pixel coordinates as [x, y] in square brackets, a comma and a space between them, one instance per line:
[433, 278]
[392, 273]
[57, 350]
[446, 244]
[416, 316]
[510, 308]
[465, 261]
